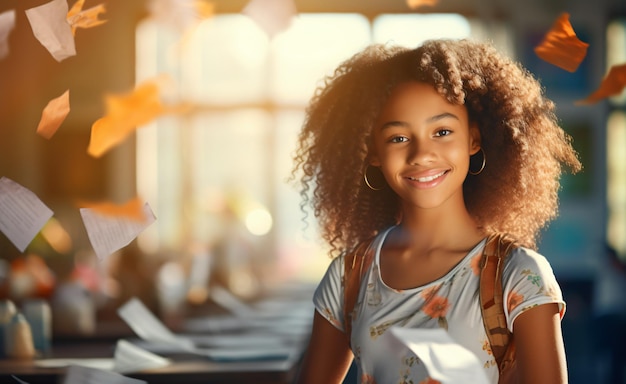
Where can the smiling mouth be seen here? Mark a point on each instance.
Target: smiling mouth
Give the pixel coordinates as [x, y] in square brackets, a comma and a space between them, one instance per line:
[426, 179]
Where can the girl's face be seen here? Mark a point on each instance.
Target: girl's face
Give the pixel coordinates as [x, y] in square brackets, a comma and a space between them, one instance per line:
[422, 144]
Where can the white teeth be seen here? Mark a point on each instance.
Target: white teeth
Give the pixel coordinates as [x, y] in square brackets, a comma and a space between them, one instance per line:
[427, 178]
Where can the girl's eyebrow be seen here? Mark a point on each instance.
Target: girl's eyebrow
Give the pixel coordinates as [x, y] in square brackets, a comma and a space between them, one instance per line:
[432, 119]
[441, 116]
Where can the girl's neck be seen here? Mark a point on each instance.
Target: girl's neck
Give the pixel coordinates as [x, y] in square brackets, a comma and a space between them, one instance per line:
[438, 228]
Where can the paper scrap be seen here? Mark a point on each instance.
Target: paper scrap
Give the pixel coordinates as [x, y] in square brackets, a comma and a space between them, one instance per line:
[50, 27]
[22, 214]
[561, 47]
[180, 14]
[131, 358]
[231, 302]
[77, 18]
[444, 359]
[77, 374]
[414, 4]
[147, 326]
[125, 113]
[612, 84]
[273, 16]
[53, 115]
[108, 234]
[7, 23]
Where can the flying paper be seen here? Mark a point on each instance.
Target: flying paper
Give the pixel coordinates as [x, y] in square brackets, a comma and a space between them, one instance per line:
[273, 16]
[445, 360]
[77, 18]
[50, 27]
[612, 85]
[7, 23]
[561, 47]
[108, 234]
[22, 214]
[125, 113]
[53, 115]
[180, 14]
[414, 4]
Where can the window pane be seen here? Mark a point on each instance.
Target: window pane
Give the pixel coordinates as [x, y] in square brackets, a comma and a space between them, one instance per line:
[229, 157]
[224, 61]
[616, 52]
[616, 181]
[412, 30]
[300, 250]
[312, 47]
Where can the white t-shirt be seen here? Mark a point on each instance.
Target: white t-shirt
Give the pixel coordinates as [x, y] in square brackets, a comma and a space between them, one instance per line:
[451, 301]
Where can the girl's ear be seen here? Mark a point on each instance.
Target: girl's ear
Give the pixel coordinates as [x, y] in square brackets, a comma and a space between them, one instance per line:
[475, 141]
[374, 160]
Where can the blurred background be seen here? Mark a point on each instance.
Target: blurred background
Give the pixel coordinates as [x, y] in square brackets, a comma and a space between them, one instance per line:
[216, 176]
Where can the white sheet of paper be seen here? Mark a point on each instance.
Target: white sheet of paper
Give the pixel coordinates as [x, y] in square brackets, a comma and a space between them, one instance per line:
[445, 359]
[108, 234]
[130, 358]
[231, 302]
[22, 214]
[50, 27]
[273, 16]
[147, 326]
[77, 374]
[7, 23]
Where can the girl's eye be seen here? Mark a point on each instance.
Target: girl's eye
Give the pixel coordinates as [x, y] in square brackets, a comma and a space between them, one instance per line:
[443, 132]
[398, 139]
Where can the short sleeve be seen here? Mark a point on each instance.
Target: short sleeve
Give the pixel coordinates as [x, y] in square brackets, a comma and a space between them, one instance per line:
[528, 281]
[328, 297]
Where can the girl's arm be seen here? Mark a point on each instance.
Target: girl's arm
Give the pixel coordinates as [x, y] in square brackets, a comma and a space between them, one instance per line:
[539, 346]
[328, 355]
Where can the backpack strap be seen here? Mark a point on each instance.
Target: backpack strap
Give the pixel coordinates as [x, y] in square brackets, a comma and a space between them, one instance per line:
[362, 257]
[492, 303]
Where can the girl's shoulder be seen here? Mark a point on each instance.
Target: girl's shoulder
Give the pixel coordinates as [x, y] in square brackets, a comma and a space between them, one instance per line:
[524, 261]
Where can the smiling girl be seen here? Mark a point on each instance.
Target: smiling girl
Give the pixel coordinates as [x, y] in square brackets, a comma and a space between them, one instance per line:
[423, 154]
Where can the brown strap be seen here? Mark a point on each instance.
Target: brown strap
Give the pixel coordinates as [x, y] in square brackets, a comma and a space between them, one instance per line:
[362, 255]
[497, 248]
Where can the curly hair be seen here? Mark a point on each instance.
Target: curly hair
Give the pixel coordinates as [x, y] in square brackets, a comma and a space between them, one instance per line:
[524, 146]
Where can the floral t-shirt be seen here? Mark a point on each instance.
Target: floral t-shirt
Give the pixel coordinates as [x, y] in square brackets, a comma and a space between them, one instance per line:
[451, 302]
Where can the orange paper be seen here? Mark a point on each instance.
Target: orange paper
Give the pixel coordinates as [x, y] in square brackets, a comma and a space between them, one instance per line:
[611, 85]
[414, 4]
[561, 47]
[88, 18]
[132, 209]
[124, 114]
[53, 115]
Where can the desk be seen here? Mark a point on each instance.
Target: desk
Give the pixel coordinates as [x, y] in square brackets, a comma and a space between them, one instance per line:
[289, 320]
[183, 370]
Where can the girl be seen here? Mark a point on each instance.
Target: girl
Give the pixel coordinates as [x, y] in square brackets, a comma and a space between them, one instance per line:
[429, 151]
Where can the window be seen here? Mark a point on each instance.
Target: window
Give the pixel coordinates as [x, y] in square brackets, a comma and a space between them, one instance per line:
[232, 154]
[615, 143]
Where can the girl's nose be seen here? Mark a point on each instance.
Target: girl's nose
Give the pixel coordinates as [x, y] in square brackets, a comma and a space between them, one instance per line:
[422, 152]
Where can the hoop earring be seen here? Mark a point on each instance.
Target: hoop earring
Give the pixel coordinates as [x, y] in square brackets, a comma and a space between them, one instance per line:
[482, 166]
[367, 182]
